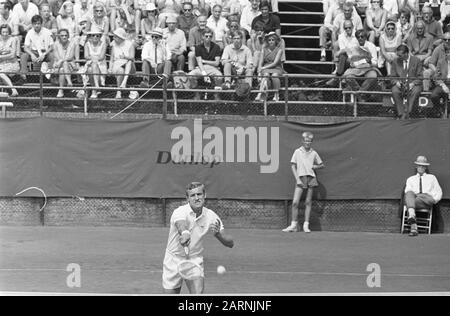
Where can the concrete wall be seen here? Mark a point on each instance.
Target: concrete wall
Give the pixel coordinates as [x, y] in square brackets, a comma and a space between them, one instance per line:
[367, 216]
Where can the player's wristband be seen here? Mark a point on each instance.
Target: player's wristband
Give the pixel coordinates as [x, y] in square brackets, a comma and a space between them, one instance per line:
[185, 231]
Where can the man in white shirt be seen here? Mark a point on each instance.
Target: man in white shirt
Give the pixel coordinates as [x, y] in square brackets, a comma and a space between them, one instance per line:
[155, 57]
[189, 225]
[38, 45]
[422, 190]
[22, 14]
[218, 24]
[176, 41]
[237, 59]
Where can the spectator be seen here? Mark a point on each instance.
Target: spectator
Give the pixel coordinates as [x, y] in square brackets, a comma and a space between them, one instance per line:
[167, 8]
[140, 8]
[64, 59]
[347, 14]
[99, 21]
[249, 12]
[422, 190]
[406, 72]
[404, 26]
[270, 21]
[346, 44]
[122, 60]
[270, 68]
[391, 6]
[389, 41]
[437, 56]
[411, 6]
[432, 27]
[420, 44]
[176, 41]
[83, 9]
[256, 42]
[375, 20]
[237, 60]
[208, 60]
[65, 19]
[230, 7]
[22, 14]
[232, 27]
[327, 5]
[445, 13]
[187, 20]
[125, 19]
[363, 63]
[195, 38]
[7, 18]
[218, 25]
[48, 20]
[442, 82]
[37, 47]
[155, 57]
[95, 54]
[8, 57]
[149, 22]
[326, 30]
[55, 6]
[361, 7]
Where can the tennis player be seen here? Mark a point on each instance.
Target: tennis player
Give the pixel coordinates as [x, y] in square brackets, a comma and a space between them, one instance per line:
[189, 224]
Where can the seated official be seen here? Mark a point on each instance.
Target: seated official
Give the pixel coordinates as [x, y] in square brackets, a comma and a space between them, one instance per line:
[422, 191]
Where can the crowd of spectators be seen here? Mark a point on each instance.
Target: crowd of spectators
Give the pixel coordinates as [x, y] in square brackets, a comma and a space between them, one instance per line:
[91, 39]
[374, 38]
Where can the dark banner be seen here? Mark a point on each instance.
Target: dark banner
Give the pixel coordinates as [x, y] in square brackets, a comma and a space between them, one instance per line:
[235, 159]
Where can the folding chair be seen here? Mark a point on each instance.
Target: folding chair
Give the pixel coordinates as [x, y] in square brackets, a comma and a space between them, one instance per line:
[423, 218]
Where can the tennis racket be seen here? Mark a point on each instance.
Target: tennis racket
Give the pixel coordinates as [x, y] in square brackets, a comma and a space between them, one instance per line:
[189, 269]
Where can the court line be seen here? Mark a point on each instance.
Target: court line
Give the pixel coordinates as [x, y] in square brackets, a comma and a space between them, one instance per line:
[234, 272]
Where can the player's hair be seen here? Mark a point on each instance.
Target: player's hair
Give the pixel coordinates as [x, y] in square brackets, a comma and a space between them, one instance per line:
[194, 185]
[307, 135]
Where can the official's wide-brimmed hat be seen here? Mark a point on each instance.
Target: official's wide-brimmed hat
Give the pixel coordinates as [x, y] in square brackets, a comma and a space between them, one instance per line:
[422, 161]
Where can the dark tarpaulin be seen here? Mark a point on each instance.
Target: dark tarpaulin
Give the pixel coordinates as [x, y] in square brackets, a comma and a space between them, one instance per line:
[99, 158]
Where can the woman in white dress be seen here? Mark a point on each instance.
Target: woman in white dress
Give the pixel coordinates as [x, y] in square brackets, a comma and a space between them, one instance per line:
[389, 41]
[64, 59]
[95, 54]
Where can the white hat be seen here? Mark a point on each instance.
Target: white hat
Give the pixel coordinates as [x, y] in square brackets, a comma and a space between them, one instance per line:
[171, 19]
[120, 32]
[422, 161]
[150, 7]
[94, 30]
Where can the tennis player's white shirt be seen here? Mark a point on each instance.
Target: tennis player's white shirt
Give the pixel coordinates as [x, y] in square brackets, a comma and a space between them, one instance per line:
[304, 160]
[198, 226]
[430, 185]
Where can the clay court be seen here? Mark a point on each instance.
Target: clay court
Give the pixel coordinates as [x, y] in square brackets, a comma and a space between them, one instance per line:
[117, 260]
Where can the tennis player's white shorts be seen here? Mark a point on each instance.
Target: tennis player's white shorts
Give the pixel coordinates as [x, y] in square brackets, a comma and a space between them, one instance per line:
[171, 279]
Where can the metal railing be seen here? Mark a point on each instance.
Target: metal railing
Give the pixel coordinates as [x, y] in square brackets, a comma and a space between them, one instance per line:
[299, 95]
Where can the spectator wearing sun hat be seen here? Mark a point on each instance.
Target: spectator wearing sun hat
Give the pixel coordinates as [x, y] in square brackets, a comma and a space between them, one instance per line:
[95, 55]
[422, 190]
[176, 42]
[122, 60]
[155, 57]
[149, 22]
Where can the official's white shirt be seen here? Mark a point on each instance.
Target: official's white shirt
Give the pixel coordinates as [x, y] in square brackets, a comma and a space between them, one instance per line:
[198, 227]
[430, 185]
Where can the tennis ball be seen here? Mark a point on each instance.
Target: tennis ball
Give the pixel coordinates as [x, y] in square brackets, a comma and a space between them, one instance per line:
[221, 270]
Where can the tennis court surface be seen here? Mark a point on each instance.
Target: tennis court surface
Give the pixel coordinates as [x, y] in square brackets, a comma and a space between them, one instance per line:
[129, 261]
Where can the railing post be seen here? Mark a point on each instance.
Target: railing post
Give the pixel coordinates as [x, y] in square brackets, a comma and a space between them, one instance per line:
[164, 109]
[41, 93]
[286, 97]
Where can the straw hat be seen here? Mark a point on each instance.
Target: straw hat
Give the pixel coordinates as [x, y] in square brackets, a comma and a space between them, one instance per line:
[121, 33]
[157, 31]
[94, 30]
[422, 161]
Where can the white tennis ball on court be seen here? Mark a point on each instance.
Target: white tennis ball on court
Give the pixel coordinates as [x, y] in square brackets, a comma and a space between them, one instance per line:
[221, 270]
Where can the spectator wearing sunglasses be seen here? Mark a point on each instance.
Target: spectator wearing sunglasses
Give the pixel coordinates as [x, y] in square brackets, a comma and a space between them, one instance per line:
[389, 41]
[208, 60]
[347, 14]
[95, 55]
[232, 27]
[155, 57]
[187, 19]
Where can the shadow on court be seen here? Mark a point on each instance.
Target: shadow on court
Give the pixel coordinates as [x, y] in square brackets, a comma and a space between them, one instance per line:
[129, 261]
